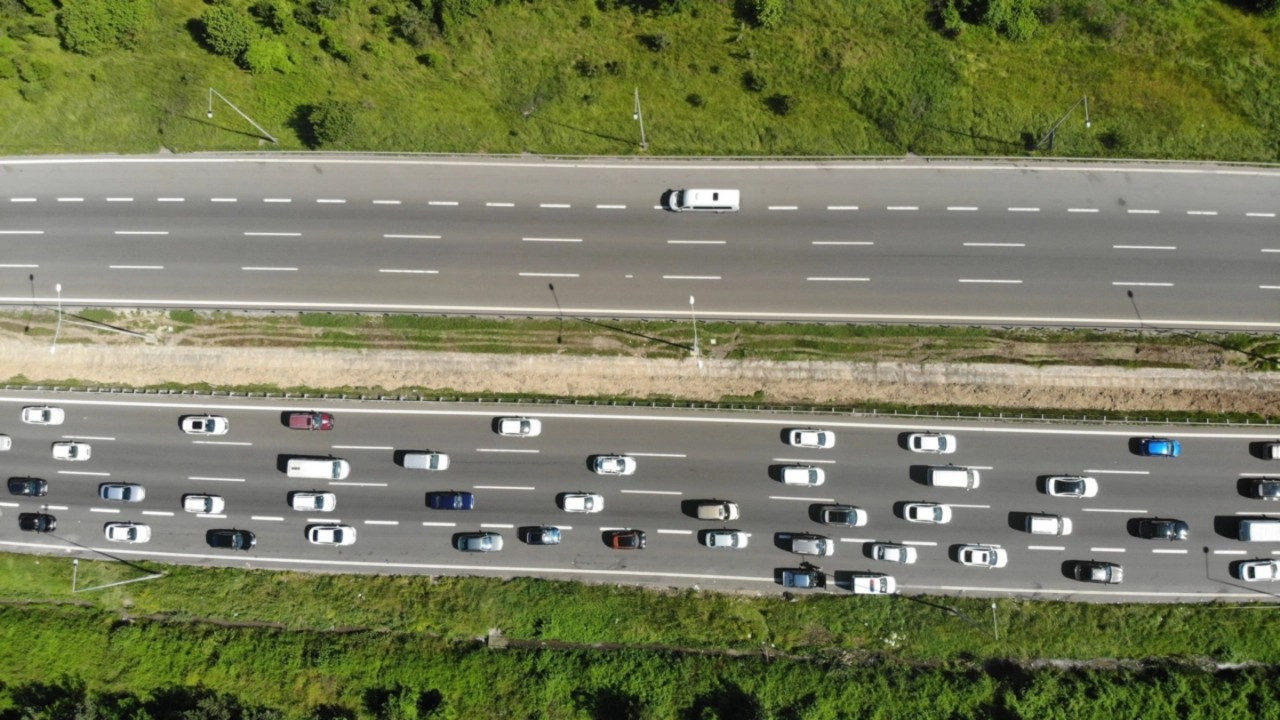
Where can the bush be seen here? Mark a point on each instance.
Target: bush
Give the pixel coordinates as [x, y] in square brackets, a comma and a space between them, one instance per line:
[337, 47]
[332, 9]
[782, 104]
[332, 121]
[90, 27]
[226, 31]
[39, 7]
[657, 42]
[616, 68]
[586, 68]
[270, 15]
[696, 100]
[267, 54]
[753, 82]
[415, 26]
[766, 13]
[451, 13]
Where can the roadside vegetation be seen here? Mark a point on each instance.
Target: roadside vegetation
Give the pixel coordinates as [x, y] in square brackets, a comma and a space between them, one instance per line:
[1168, 79]
[281, 644]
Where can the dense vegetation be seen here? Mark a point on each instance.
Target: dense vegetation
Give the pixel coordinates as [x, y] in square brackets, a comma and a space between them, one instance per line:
[1164, 78]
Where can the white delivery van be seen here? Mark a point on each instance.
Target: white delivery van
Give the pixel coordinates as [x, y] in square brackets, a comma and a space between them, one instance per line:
[703, 201]
[1260, 530]
[1048, 525]
[318, 468]
[426, 461]
[954, 477]
[718, 510]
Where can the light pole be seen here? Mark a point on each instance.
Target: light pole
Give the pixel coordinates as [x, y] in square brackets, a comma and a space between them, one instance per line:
[995, 627]
[57, 287]
[639, 117]
[239, 112]
[1048, 137]
[694, 314]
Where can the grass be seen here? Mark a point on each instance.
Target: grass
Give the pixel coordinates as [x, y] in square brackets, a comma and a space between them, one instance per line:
[1164, 80]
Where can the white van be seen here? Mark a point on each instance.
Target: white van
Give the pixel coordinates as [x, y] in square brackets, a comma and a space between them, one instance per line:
[426, 461]
[718, 510]
[1260, 530]
[1048, 525]
[703, 201]
[954, 477]
[318, 468]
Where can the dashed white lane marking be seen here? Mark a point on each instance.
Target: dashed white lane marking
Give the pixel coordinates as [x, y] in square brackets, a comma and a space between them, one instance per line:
[921, 543]
[903, 207]
[406, 271]
[21, 199]
[842, 242]
[1125, 283]
[205, 478]
[383, 522]
[990, 281]
[9, 504]
[1143, 212]
[362, 447]
[802, 499]
[1229, 552]
[105, 510]
[652, 492]
[27, 232]
[324, 521]
[70, 199]
[1106, 549]
[1127, 511]
[1047, 547]
[1269, 287]
[119, 199]
[251, 233]
[662, 531]
[221, 442]
[386, 202]
[1082, 210]
[1261, 513]
[695, 242]
[267, 518]
[357, 484]
[611, 207]
[18, 265]
[84, 472]
[783, 207]
[166, 513]
[560, 206]
[135, 267]
[856, 540]
[507, 526]
[1144, 247]
[838, 279]
[141, 232]
[690, 277]
[1159, 551]
[661, 455]
[277, 200]
[1117, 472]
[536, 274]
[395, 236]
[504, 487]
[331, 201]
[52, 507]
[803, 460]
[1024, 209]
[170, 199]
[842, 207]
[269, 269]
[88, 437]
[506, 450]
[499, 204]
[1270, 250]
[223, 199]
[994, 244]
[1202, 212]
[444, 203]
[1260, 214]
[962, 208]
[972, 507]
[439, 524]
[551, 240]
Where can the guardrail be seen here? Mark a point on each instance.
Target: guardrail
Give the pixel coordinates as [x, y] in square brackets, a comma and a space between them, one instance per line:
[958, 414]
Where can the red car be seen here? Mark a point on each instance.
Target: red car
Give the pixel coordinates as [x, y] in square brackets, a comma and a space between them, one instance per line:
[310, 421]
[627, 539]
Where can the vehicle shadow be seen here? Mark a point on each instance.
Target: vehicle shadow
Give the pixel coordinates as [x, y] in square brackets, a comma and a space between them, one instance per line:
[1135, 445]
[1244, 486]
[1259, 449]
[782, 540]
[1228, 526]
[919, 474]
[1018, 519]
[1068, 569]
[903, 440]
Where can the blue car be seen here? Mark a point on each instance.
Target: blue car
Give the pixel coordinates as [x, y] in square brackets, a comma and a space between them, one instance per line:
[452, 500]
[1159, 447]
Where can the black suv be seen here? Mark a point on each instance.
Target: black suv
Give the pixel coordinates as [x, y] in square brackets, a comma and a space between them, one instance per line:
[29, 486]
[231, 539]
[37, 522]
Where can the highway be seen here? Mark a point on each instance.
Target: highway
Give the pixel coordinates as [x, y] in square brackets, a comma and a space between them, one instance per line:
[683, 456]
[995, 243]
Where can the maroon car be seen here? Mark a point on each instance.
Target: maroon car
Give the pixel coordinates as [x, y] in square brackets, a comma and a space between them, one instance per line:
[310, 421]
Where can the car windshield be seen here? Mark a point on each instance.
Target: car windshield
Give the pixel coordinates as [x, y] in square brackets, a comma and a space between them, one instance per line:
[1071, 486]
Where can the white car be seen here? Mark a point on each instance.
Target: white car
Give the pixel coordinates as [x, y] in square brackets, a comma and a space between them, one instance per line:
[1073, 486]
[72, 451]
[206, 504]
[813, 545]
[43, 415]
[1271, 451]
[1259, 570]
[331, 534]
[519, 427]
[313, 501]
[122, 492]
[582, 502]
[811, 438]
[6, 442]
[894, 553]
[987, 556]
[205, 425]
[127, 532]
[865, 583]
[725, 539]
[803, 475]
[935, 443]
[927, 513]
[614, 465]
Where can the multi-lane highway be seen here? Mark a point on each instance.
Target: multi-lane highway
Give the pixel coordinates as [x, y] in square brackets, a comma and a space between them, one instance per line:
[682, 457]
[944, 242]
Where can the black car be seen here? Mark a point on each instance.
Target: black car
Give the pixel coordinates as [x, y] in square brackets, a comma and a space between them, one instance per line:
[1157, 529]
[453, 500]
[231, 539]
[542, 535]
[37, 522]
[28, 486]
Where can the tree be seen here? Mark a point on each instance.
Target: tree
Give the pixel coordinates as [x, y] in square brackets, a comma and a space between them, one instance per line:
[767, 13]
[332, 121]
[90, 27]
[227, 31]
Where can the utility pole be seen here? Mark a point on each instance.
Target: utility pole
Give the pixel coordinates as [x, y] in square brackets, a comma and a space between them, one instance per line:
[230, 104]
[1049, 136]
[639, 117]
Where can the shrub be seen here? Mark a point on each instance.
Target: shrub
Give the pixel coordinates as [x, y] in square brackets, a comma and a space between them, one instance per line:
[270, 15]
[782, 104]
[766, 13]
[657, 42]
[332, 9]
[337, 47]
[753, 82]
[415, 26]
[586, 68]
[39, 7]
[267, 54]
[451, 13]
[616, 68]
[429, 59]
[696, 100]
[332, 121]
[90, 27]
[226, 31]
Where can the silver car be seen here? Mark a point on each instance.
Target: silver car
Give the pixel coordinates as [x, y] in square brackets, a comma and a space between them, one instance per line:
[614, 465]
[72, 451]
[813, 545]
[479, 542]
[313, 501]
[894, 553]
[331, 534]
[43, 415]
[127, 532]
[725, 539]
[122, 492]
[933, 513]
[582, 502]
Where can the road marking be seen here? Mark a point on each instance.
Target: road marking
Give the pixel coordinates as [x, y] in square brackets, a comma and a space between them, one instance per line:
[269, 269]
[386, 202]
[554, 240]
[18, 265]
[141, 232]
[921, 543]
[504, 487]
[662, 455]
[1271, 250]
[801, 460]
[135, 267]
[331, 201]
[1260, 513]
[1260, 214]
[652, 492]
[505, 450]
[856, 540]
[842, 242]
[362, 447]
[962, 208]
[674, 532]
[1144, 247]
[170, 199]
[444, 203]
[783, 207]
[166, 513]
[214, 479]
[277, 200]
[8, 504]
[105, 510]
[395, 236]
[275, 518]
[1114, 510]
[1004, 282]
[1202, 212]
[119, 199]
[221, 442]
[357, 484]
[1117, 472]
[838, 279]
[1047, 547]
[611, 207]
[223, 199]
[534, 274]
[695, 242]
[1082, 210]
[497, 525]
[87, 437]
[249, 233]
[902, 207]
[1269, 287]
[378, 522]
[21, 199]
[842, 207]
[1142, 284]
[41, 232]
[70, 199]
[977, 507]
[51, 507]
[1252, 474]
[1168, 552]
[1106, 549]
[1024, 209]
[554, 205]
[1144, 212]
[994, 244]
[1229, 552]
[404, 271]
[499, 204]
[804, 499]
[690, 277]
[84, 472]
[439, 524]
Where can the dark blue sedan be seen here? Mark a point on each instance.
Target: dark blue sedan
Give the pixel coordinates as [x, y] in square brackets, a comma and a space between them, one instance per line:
[451, 500]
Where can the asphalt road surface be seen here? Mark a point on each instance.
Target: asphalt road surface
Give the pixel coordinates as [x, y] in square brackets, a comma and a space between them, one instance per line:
[683, 456]
[994, 243]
